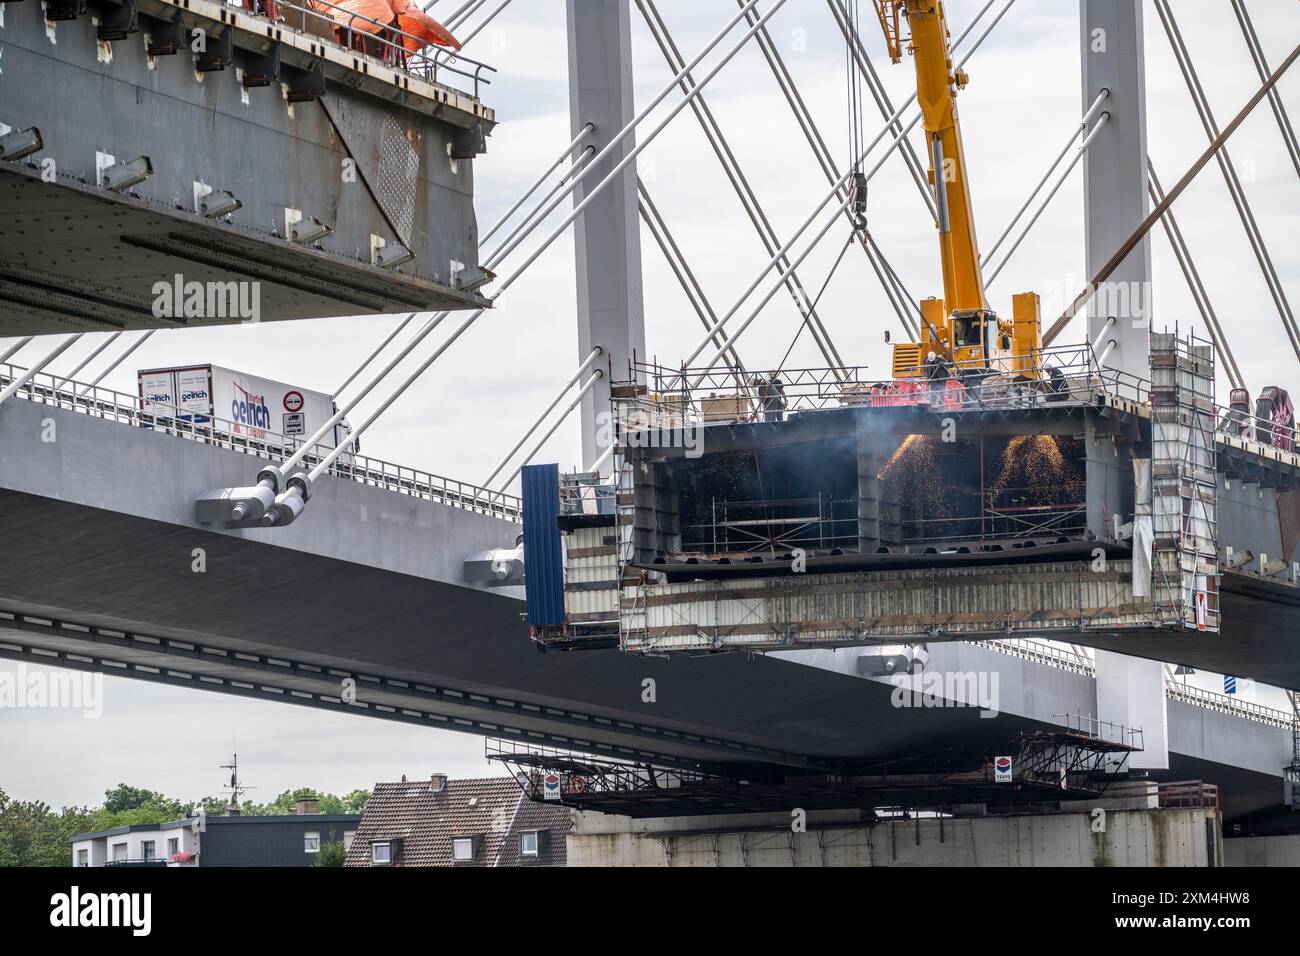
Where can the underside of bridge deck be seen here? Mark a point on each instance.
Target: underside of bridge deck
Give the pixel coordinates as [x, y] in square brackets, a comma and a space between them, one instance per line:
[87, 587]
[139, 174]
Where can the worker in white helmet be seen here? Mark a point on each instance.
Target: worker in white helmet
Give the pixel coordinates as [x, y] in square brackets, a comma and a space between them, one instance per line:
[933, 372]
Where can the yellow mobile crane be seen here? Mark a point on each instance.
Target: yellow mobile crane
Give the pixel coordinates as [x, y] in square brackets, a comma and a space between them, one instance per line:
[960, 329]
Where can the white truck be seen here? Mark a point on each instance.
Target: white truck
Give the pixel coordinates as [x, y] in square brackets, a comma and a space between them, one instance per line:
[237, 404]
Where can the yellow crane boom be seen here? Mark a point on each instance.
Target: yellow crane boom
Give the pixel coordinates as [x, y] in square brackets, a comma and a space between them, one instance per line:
[936, 93]
[960, 328]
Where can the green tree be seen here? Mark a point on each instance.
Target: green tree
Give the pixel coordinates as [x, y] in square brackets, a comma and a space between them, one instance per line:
[125, 797]
[125, 805]
[32, 834]
[286, 803]
[215, 806]
[332, 852]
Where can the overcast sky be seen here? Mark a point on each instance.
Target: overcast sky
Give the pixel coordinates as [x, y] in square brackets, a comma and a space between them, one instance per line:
[1021, 104]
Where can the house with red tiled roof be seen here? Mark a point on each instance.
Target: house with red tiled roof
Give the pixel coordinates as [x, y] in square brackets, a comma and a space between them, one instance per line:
[483, 821]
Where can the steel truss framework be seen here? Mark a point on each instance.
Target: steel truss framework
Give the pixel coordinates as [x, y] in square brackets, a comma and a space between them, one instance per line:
[1048, 768]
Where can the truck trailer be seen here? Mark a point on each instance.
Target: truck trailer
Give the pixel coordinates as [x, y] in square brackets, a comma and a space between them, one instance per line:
[237, 404]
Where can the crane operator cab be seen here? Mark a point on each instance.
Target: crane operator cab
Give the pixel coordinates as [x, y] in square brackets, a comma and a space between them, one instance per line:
[975, 343]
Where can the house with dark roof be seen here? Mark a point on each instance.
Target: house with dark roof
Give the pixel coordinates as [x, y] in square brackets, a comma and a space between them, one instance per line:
[283, 840]
[484, 821]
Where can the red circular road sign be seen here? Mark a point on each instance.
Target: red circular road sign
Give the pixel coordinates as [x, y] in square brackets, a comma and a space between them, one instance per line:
[293, 401]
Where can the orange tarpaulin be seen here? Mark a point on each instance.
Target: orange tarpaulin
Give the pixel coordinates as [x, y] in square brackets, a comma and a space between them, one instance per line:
[403, 14]
[377, 10]
[411, 19]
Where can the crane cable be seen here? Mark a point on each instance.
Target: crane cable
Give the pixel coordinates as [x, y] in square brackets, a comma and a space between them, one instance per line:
[854, 97]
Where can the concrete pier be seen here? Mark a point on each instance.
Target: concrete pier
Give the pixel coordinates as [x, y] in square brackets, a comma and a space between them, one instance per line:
[1136, 837]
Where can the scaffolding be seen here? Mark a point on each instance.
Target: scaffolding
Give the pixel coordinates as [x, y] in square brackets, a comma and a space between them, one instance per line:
[1184, 507]
[1291, 772]
[655, 396]
[1043, 768]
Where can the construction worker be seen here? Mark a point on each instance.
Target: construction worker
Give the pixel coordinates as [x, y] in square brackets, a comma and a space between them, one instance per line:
[934, 372]
[764, 389]
[776, 404]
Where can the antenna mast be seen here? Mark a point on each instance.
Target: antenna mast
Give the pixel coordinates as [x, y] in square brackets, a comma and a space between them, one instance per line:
[235, 788]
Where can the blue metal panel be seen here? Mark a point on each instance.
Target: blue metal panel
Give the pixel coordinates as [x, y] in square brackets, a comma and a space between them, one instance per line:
[543, 551]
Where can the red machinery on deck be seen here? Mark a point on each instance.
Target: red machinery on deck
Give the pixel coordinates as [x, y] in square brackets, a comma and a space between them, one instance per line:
[1275, 418]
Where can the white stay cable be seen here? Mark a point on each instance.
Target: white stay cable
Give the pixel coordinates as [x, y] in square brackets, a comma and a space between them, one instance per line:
[578, 209]
[840, 183]
[393, 396]
[463, 13]
[735, 334]
[486, 20]
[535, 215]
[586, 131]
[94, 354]
[1083, 125]
[536, 253]
[118, 361]
[614, 142]
[566, 154]
[31, 373]
[375, 354]
[15, 349]
[834, 192]
[591, 357]
[1083, 148]
[582, 392]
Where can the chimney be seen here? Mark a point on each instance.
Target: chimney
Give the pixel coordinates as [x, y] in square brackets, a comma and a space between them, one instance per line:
[438, 783]
[308, 807]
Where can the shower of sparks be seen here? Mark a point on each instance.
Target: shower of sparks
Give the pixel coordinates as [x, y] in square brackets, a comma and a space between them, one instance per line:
[910, 442]
[915, 478]
[1034, 466]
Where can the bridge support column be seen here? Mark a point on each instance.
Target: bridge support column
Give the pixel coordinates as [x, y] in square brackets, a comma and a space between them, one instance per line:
[1130, 691]
[1115, 180]
[872, 454]
[607, 236]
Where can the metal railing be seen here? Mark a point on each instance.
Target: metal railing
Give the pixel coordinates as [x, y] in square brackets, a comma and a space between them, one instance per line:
[1227, 704]
[730, 526]
[1069, 376]
[385, 42]
[1188, 795]
[124, 408]
[135, 862]
[1044, 653]
[585, 493]
[1063, 376]
[1087, 725]
[996, 524]
[1238, 424]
